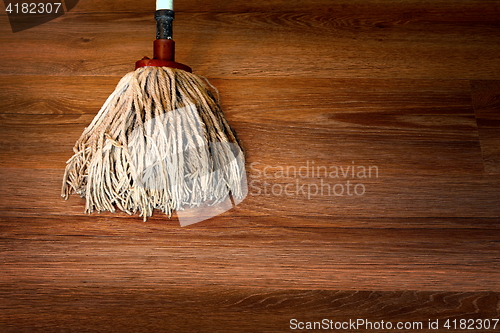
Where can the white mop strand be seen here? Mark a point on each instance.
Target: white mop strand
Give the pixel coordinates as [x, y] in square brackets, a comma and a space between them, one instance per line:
[160, 141]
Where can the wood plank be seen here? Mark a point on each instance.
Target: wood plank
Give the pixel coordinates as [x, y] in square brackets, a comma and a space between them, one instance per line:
[220, 316]
[325, 44]
[392, 124]
[486, 100]
[264, 98]
[442, 9]
[219, 309]
[31, 192]
[102, 251]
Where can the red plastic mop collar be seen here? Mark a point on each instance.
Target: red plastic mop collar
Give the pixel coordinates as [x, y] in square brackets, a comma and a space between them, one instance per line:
[164, 56]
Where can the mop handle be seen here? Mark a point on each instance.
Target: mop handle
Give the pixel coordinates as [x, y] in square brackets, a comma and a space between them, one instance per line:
[164, 17]
[164, 4]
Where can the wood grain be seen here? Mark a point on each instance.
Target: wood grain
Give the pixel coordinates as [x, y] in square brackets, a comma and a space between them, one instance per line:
[486, 99]
[410, 88]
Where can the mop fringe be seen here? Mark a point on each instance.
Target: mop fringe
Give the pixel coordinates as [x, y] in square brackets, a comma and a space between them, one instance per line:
[160, 141]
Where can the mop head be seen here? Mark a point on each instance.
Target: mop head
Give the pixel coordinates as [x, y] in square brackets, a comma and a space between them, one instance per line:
[160, 141]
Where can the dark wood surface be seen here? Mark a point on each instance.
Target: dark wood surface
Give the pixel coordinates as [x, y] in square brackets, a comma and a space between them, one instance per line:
[409, 88]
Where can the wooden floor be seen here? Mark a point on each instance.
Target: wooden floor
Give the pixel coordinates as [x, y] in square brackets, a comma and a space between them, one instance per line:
[408, 91]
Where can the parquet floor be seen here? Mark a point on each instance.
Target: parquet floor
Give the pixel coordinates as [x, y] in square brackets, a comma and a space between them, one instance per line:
[406, 91]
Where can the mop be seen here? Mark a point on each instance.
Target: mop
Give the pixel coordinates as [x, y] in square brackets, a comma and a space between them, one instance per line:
[160, 141]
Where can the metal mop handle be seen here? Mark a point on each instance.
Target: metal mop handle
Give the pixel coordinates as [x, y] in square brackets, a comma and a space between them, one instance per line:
[164, 19]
